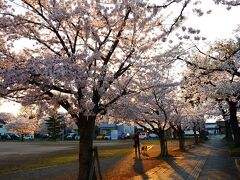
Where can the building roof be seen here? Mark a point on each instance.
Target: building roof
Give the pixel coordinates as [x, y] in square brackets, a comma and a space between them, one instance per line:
[211, 126]
[108, 125]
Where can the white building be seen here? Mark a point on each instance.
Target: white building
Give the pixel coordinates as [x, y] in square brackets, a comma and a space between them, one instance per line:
[212, 128]
[116, 131]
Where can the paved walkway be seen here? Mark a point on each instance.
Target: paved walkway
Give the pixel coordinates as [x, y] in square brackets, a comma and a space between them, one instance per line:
[207, 161]
[219, 164]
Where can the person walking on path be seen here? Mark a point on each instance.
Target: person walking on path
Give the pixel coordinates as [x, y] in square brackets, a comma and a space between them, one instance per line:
[136, 143]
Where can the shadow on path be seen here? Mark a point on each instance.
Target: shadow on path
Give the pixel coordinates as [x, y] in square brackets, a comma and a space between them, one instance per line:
[138, 167]
[178, 169]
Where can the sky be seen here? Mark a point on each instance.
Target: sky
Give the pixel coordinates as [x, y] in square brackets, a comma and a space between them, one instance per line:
[9, 107]
[219, 24]
[214, 26]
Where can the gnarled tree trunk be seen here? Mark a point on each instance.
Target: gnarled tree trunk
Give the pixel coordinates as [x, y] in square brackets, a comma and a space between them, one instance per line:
[163, 144]
[195, 135]
[181, 140]
[228, 132]
[86, 128]
[234, 122]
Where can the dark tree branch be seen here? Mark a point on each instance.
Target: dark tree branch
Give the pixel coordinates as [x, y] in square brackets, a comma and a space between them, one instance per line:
[210, 70]
[179, 18]
[162, 109]
[162, 6]
[207, 55]
[114, 45]
[54, 30]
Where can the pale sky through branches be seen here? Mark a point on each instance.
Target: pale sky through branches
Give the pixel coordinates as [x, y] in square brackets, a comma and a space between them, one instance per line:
[219, 24]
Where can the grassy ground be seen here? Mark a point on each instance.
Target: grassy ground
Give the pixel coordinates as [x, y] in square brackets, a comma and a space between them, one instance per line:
[32, 161]
[234, 151]
[60, 158]
[40, 162]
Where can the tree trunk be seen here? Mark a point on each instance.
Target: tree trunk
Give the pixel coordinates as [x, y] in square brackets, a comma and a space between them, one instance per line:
[181, 140]
[86, 128]
[234, 122]
[195, 135]
[163, 145]
[228, 132]
[202, 135]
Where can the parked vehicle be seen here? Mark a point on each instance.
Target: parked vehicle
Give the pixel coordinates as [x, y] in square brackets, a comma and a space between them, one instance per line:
[28, 137]
[143, 135]
[70, 136]
[13, 136]
[43, 136]
[107, 137]
[124, 136]
[100, 137]
[77, 137]
[190, 133]
[5, 137]
[152, 135]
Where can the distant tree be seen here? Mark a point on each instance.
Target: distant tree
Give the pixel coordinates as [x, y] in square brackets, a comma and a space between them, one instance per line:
[178, 122]
[21, 126]
[6, 116]
[25, 122]
[55, 125]
[150, 109]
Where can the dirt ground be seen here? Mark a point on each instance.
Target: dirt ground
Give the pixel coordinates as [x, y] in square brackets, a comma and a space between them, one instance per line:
[131, 165]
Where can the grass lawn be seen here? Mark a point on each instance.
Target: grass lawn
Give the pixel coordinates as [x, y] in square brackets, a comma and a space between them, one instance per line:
[33, 161]
[62, 159]
[234, 151]
[41, 162]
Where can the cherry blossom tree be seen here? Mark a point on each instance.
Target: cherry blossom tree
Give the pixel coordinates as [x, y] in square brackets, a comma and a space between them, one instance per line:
[179, 120]
[151, 109]
[196, 122]
[83, 55]
[224, 108]
[216, 74]
[21, 126]
[6, 116]
[155, 114]
[25, 122]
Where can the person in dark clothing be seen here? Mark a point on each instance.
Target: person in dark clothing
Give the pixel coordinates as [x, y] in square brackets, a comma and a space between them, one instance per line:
[136, 143]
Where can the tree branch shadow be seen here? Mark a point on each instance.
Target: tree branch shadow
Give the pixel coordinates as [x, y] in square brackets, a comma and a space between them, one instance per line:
[178, 169]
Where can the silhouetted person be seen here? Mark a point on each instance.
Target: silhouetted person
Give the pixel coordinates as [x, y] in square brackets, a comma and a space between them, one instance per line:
[136, 143]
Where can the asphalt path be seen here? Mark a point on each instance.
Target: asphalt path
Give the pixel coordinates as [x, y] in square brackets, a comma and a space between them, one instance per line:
[219, 164]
